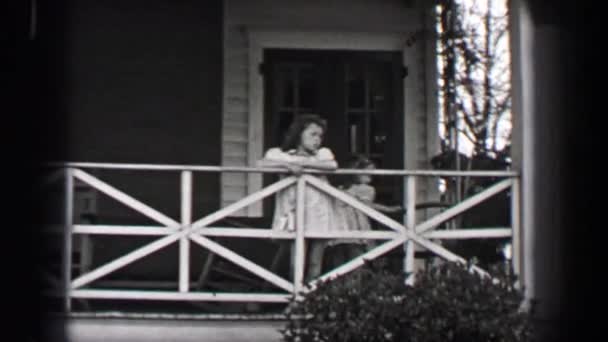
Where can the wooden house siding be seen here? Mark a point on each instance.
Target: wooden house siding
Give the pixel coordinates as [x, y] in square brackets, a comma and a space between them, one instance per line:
[141, 85]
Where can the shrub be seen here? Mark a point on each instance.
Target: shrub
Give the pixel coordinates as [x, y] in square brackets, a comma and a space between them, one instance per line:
[447, 303]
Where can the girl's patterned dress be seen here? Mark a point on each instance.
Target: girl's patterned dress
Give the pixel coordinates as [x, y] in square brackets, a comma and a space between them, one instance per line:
[350, 218]
[319, 213]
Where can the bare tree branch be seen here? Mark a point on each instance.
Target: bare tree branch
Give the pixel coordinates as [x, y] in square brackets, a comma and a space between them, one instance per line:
[477, 80]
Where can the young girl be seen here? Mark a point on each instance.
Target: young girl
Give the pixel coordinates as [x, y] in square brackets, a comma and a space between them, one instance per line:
[302, 150]
[358, 186]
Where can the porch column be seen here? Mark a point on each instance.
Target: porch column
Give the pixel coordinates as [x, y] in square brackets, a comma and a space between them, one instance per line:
[522, 109]
[546, 112]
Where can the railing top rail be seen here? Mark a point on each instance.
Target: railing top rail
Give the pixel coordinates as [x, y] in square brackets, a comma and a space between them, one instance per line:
[207, 168]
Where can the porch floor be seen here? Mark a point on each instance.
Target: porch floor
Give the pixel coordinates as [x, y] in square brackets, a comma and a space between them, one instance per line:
[155, 330]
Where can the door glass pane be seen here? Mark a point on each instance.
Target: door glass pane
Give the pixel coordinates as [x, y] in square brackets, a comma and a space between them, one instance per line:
[285, 119]
[355, 86]
[356, 133]
[286, 86]
[378, 134]
[379, 94]
[306, 88]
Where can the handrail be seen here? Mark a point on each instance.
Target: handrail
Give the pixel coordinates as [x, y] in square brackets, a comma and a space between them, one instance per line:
[248, 169]
[187, 231]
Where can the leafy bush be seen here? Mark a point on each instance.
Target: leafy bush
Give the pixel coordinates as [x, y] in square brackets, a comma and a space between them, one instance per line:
[447, 303]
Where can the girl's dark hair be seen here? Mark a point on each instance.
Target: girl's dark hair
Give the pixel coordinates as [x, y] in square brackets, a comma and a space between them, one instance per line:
[294, 132]
[358, 161]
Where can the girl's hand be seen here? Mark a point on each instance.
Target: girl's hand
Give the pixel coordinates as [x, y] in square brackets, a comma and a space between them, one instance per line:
[294, 168]
[397, 209]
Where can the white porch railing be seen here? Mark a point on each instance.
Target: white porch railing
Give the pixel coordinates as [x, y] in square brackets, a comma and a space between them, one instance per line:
[187, 231]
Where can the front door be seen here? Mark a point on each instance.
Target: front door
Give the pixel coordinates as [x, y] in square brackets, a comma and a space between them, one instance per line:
[359, 93]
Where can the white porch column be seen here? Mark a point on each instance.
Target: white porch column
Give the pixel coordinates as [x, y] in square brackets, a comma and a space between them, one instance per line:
[522, 109]
[547, 112]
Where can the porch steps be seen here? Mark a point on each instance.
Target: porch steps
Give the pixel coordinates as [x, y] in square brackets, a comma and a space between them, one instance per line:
[178, 316]
[163, 329]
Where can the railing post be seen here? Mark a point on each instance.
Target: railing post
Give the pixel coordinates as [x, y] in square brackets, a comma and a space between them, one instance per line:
[184, 241]
[516, 226]
[409, 246]
[299, 242]
[67, 238]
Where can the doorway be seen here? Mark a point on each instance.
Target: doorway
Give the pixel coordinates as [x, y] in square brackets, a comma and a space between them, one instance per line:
[359, 93]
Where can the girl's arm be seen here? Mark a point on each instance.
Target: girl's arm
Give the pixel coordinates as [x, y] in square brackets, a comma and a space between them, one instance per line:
[294, 168]
[312, 164]
[271, 163]
[386, 208]
[328, 165]
[382, 207]
[325, 161]
[367, 195]
[277, 158]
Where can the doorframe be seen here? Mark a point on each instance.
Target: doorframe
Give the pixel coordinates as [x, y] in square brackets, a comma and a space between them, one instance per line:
[260, 39]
